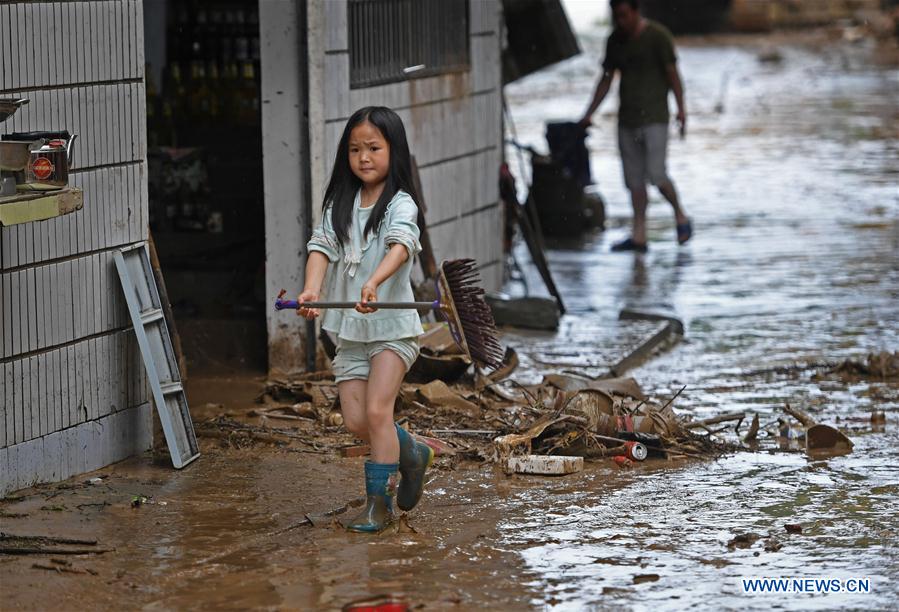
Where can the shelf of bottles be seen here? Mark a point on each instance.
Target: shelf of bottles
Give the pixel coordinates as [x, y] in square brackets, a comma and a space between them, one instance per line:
[211, 79]
[203, 121]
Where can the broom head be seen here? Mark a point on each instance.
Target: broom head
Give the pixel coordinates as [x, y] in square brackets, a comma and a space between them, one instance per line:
[467, 313]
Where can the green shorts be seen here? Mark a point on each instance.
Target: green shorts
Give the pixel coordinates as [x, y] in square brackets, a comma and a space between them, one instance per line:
[353, 359]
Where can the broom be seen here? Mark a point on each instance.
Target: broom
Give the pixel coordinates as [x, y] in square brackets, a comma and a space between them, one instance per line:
[460, 302]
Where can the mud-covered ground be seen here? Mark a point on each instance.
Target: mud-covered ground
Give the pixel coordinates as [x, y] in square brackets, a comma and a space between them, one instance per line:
[790, 173]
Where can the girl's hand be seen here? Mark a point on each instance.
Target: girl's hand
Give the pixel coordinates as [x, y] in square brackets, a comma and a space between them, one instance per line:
[369, 294]
[308, 313]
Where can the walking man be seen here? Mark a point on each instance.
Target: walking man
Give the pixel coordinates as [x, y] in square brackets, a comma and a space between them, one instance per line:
[643, 52]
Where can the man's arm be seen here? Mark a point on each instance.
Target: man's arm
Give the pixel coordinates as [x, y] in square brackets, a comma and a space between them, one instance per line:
[602, 88]
[678, 88]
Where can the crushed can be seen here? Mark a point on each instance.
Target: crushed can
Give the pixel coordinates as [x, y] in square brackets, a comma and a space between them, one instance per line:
[636, 451]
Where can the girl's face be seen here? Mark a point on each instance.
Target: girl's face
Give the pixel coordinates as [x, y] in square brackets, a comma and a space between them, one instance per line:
[369, 154]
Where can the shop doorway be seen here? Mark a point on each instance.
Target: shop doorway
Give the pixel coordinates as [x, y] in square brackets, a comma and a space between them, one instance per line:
[206, 211]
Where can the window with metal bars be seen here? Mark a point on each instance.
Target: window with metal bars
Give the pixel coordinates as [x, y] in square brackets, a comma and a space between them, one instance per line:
[394, 40]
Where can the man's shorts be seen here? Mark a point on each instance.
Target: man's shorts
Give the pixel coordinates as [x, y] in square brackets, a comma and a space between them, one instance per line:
[353, 359]
[643, 153]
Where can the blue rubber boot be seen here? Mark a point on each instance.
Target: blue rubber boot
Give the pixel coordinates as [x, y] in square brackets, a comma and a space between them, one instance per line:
[415, 459]
[380, 489]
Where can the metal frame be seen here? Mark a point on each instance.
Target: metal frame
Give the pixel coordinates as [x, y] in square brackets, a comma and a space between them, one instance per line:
[145, 308]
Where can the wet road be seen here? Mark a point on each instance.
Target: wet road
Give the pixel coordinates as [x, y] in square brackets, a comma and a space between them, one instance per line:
[793, 189]
[794, 192]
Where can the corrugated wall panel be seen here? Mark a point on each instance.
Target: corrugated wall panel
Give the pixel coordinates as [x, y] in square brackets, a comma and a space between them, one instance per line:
[69, 363]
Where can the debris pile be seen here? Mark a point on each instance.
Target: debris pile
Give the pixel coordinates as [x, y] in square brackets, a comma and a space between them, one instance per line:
[882, 366]
[494, 418]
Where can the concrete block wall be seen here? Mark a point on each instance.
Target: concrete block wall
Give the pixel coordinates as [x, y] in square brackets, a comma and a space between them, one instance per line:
[74, 395]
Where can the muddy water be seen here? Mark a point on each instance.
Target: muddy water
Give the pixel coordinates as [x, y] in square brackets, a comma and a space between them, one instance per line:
[793, 188]
[793, 185]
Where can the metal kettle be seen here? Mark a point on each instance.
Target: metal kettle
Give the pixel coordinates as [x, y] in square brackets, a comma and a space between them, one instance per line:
[50, 158]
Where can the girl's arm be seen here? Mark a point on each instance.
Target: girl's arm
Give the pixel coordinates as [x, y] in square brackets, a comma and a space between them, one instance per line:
[396, 257]
[316, 267]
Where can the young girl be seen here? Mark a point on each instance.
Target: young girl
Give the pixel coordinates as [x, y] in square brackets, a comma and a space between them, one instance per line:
[369, 230]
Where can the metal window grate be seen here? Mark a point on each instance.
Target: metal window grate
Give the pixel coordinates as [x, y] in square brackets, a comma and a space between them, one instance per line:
[387, 37]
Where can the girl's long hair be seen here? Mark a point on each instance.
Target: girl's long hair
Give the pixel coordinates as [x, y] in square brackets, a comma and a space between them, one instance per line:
[342, 187]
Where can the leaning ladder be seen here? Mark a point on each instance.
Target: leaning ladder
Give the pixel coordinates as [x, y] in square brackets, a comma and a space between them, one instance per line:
[145, 308]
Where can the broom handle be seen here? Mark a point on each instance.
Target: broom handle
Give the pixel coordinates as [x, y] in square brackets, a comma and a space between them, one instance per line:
[293, 305]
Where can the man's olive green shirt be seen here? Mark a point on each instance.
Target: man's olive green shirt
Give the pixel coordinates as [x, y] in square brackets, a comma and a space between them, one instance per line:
[643, 63]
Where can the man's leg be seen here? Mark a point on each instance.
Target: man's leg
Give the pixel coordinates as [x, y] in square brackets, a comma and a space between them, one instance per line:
[632, 147]
[670, 193]
[657, 164]
[639, 201]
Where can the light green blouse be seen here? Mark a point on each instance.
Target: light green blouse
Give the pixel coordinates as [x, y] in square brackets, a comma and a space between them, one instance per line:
[352, 264]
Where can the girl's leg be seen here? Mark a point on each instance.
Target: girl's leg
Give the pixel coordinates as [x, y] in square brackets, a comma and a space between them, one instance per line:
[387, 372]
[352, 405]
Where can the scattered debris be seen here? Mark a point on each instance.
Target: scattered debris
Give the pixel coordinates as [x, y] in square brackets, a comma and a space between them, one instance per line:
[355, 451]
[731, 416]
[820, 439]
[324, 519]
[46, 545]
[770, 55]
[622, 461]
[772, 545]
[437, 393]
[752, 434]
[544, 465]
[440, 357]
[139, 500]
[525, 312]
[641, 578]
[62, 566]
[743, 540]
[883, 366]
